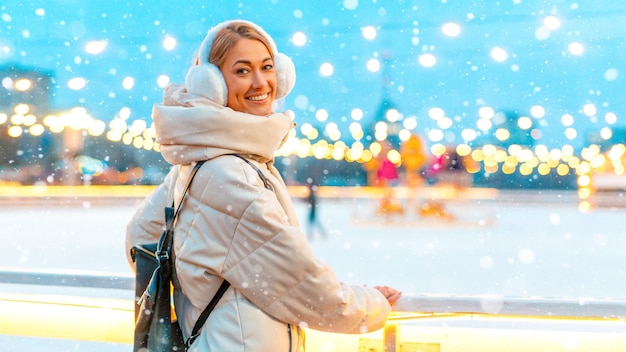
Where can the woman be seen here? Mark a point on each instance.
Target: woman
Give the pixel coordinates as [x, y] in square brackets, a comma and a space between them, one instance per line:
[231, 226]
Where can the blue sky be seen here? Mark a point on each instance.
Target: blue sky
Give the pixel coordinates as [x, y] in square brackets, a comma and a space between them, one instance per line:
[573, 67]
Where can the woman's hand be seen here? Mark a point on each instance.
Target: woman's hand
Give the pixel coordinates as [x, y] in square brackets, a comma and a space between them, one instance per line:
[391, 294]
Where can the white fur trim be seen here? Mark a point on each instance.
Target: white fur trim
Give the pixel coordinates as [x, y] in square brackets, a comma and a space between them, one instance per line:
[285, 75]
[206, 80]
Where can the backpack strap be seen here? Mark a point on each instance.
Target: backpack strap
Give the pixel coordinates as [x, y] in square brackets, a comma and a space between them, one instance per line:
[195, 332]
[266, 183]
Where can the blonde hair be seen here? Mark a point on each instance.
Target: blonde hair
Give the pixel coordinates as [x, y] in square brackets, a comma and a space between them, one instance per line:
[227, 37]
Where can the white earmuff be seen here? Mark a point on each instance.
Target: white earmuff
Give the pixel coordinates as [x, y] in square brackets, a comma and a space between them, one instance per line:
[206, 79]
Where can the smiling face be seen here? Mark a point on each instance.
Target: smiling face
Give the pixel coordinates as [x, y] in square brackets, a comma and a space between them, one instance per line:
[250, 77]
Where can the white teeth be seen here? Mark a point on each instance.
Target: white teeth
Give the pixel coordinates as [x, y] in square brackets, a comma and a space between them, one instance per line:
[258, 97]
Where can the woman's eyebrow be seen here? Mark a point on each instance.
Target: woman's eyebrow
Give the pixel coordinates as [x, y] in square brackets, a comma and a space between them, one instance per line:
[248, 62]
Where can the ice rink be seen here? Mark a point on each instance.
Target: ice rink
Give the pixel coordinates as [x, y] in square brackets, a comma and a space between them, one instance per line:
[518, 245]
[515, 245]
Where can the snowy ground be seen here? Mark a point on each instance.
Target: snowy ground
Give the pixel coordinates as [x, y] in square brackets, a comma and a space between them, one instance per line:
[537, 246]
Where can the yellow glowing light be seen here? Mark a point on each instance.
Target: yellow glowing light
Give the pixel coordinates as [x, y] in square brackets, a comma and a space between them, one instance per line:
[556, 154]
[117, 124]
[573, 162]
[137, 127]
[597, 161]
[616, 151]
[96, 128]
[114, 135]
[17, 119]
[502, 134]
[492, 169]
[23, 84]
[511, 161]
[584, 206]
[490, 162]
[376, 148]
[463, 149]
[543, 169]
[489, 149]
[500, 156]
[524, 122]
[15, 131]
[563, 170]
[36, 129]
[338, 153]
[584, 180]
[514, 149]
[508, 169]
[380, 135]
[404, 135]
[394, 156]
[444, 123]
[29, 120]
[525, 169]
[3, 118]
[148, 144]
[478, 155]
[438, 149]
[138, 142]
[567, 150]
[127, 139]
[21, 109]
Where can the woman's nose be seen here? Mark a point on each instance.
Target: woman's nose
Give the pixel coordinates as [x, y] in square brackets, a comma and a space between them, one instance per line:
[258, 80]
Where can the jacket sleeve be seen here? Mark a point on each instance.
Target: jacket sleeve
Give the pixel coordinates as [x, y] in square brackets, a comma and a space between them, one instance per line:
[273, 265]
[148, 221]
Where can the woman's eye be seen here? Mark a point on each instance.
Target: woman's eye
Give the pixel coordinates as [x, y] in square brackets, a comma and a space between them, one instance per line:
[268, 67]
[242, 71]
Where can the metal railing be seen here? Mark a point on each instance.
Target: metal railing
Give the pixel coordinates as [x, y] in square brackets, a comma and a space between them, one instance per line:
[411, 307]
